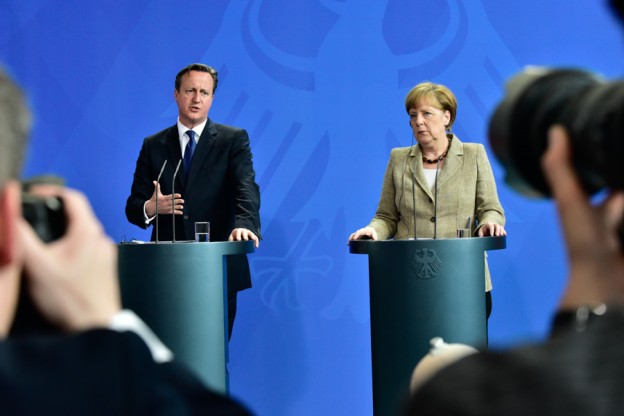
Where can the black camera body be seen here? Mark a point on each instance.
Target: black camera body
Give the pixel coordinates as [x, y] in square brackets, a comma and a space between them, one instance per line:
[590, 108]
[47, 217]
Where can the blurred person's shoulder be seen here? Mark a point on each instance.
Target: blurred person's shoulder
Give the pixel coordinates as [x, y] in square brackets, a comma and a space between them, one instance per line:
[577, 372]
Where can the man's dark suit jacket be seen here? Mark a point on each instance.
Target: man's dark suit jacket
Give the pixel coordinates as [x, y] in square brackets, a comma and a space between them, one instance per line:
[221, 189]
[99, 372]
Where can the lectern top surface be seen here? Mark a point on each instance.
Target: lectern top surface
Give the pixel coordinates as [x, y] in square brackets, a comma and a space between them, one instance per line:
[477, 243]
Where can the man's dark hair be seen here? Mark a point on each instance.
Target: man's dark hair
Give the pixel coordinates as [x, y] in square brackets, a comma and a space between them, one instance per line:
[200, 68]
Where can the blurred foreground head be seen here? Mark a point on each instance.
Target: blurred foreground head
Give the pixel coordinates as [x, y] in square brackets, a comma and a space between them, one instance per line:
[440, 355]
[15, 122]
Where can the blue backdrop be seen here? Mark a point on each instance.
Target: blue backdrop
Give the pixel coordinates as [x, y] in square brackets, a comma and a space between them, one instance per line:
[319, 84]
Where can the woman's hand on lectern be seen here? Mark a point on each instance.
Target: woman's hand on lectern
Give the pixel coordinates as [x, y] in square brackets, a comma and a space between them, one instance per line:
[366, 233]
[492, 230]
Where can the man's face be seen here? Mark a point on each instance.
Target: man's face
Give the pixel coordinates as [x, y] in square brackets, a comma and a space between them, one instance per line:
[194, 97]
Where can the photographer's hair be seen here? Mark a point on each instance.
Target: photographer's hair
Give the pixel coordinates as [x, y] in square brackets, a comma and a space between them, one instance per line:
[617, 6]
[200, 68]
[15, 120]
[439, 93]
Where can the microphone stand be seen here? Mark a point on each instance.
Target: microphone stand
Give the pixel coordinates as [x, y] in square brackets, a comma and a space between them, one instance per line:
[173, 239]
[435, 202]
[414, 195]
[157, 189]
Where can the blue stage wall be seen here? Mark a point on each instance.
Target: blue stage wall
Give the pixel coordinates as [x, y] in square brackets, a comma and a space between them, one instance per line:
[320, 86]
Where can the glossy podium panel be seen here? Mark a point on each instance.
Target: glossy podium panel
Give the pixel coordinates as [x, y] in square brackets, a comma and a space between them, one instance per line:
[180, 291]
[420, 289]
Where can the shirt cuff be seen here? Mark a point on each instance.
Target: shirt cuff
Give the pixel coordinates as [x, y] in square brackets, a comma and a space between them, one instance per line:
[126, 320]
[147, 220]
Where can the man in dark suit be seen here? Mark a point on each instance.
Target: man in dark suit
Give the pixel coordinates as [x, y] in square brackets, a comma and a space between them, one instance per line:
[102, 360]
[216, 181]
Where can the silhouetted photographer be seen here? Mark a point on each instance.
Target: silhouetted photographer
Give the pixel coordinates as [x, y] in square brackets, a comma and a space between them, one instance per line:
[572, 142]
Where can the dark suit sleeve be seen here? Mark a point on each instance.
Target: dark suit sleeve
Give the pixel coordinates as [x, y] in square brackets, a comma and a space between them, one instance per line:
[142, 188]
[99, 372]
[246, 191]
[196, 397]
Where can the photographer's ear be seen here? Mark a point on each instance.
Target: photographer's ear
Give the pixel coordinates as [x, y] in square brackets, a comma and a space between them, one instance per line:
[10, 212]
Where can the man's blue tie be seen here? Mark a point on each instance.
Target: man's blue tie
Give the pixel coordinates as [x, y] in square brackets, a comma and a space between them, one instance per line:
[188, 153]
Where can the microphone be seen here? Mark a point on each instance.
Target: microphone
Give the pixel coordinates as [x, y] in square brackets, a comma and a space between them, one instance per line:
[172, 199]
[162, 169]
[413, 188]
[435, 185]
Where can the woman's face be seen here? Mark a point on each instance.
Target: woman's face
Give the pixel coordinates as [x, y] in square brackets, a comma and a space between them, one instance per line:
[428, 121]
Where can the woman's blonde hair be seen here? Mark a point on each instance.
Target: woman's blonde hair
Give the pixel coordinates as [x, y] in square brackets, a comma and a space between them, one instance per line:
[442, 95]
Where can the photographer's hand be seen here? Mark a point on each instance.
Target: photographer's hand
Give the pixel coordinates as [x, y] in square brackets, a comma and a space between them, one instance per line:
[73, 280]
[596, 260]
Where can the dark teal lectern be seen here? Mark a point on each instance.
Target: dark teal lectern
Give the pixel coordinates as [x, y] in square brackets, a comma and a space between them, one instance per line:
[420, 289]
[180, 291]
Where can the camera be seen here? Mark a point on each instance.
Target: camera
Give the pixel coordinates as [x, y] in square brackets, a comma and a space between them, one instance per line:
[47, 217]
[590, 108]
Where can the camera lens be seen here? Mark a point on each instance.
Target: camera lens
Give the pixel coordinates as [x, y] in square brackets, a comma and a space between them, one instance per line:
[591, 110]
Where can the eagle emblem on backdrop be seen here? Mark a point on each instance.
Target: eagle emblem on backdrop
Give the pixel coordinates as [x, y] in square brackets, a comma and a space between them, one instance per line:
[311, 81]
